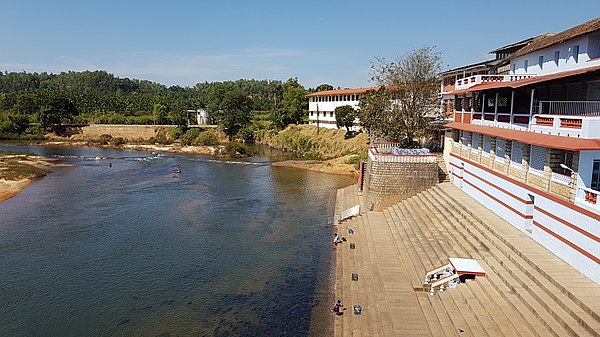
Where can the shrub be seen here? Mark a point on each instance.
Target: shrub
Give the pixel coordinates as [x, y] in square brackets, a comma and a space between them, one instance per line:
[355, 159]
[118, 141]
[207, 138]
[105, 139]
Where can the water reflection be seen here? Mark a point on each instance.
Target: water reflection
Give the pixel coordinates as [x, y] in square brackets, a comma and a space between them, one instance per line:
[129, 250]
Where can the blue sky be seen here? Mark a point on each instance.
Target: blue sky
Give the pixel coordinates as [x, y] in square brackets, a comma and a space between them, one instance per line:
[186, 42]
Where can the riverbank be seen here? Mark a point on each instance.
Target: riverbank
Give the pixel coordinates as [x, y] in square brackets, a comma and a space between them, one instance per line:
[17, 171]
[331, 166]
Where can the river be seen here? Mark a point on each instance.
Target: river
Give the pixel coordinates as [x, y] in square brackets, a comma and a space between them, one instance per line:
[170, 245]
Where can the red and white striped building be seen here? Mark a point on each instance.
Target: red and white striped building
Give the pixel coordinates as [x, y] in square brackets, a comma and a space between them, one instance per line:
[527, 144]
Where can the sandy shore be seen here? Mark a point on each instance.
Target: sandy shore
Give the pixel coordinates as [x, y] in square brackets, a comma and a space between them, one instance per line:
[13, 182]
[10, 188]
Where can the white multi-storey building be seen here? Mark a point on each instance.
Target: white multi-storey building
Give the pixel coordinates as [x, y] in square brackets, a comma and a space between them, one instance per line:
[527, 144]
[322, 104]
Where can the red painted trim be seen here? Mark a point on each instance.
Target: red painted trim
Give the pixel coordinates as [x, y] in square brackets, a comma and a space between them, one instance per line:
[456, 175]
[547, 195]
[458, 167]
[567, 242]
[527, 202]
[524, 216]
[568, 224]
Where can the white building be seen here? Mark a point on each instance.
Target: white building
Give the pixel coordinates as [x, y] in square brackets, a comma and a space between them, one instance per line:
[527, 144]
[322, 104]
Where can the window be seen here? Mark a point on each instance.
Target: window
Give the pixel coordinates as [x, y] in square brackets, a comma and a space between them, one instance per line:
[596, 176]
[500, 149]
[516, 154]
[537, 159]
[512, 67]
[541, 62]
[330, 113]
[487, 145]
[576, 53]
[525, 65]
[312, 113]
[556, 57]
[466, 139]
[476, 142]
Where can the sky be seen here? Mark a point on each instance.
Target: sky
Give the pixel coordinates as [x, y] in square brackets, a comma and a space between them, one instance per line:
[188, 42]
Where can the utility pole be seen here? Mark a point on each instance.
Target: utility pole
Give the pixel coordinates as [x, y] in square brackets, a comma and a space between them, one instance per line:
[317, 118]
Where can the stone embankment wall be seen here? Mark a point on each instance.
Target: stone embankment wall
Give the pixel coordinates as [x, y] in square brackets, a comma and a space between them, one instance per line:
[389, 182]
[129, 132]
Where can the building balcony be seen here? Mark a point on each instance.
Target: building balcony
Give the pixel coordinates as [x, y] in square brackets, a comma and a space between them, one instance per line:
[467, 82]
[567, 125]
[587, 198]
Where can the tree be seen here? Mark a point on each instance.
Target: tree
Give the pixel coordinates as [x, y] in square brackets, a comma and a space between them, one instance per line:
[159, 113]
[56, 111]
[407, 101]
[345, 116]
[230, 108]
[294, 105]
[324, 87]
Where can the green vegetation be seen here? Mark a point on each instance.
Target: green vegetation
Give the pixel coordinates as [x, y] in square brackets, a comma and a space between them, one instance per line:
[407, 102]
[34, 103]
[12, 167]
[345, 116]
[355, 159]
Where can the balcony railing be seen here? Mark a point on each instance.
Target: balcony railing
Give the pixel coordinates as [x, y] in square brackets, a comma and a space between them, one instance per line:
[578, 108]
[467, 82]
[587, 197]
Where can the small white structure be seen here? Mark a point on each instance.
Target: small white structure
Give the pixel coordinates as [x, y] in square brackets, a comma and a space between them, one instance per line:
[322, 104]
[202, 117]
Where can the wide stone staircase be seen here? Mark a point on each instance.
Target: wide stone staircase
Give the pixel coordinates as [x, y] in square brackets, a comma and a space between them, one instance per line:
[527, 290]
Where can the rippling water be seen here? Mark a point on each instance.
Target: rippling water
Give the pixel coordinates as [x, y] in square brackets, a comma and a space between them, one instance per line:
[137, 249]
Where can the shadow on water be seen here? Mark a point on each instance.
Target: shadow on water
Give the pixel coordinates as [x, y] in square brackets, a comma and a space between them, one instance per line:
[223, 249]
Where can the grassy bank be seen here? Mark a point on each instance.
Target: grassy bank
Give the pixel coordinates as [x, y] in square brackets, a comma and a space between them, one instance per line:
[17, 166]
[310, 142]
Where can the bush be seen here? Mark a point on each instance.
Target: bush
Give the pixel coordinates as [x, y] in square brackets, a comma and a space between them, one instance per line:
[355, 160]
[105, 139]
[177, 132]
[207, 138]
[247, 134]
[118, 141]
[238, 150]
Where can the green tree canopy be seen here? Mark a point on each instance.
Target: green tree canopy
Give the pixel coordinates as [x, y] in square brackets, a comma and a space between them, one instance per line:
[324, 87]
[345, 116]
[230, 108]
[294, 104]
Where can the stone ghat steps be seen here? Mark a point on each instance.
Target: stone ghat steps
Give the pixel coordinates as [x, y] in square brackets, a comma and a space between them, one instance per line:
[513, 261]
[482, 304]
[527, 292]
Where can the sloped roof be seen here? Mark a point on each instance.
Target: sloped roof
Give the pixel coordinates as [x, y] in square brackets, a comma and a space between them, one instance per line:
[527, 81]
[549, 40]
[342, 92]
[521, 43]
[527, 137]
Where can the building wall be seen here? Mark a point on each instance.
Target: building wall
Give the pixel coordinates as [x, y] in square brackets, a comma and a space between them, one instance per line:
[129, 132]
[586, 160]
[569, 231]
[566, 58]
[326, 112]
[387, 183]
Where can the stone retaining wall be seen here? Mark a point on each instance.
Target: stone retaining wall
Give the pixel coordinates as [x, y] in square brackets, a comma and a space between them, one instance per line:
[129, 132]
[387, 183]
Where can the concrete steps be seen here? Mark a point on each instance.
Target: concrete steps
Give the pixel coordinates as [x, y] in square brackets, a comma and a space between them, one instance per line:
[561, 315]
[527, 291]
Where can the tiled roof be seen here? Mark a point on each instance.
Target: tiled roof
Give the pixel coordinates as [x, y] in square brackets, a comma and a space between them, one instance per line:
[342, 92]
[527, 81]
[551, 141]
[549, 40]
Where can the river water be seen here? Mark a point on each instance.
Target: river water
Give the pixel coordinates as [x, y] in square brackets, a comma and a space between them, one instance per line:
[137, 249]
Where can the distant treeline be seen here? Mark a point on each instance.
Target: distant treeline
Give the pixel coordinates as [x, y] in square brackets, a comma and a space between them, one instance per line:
[30, 103]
